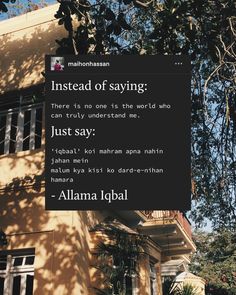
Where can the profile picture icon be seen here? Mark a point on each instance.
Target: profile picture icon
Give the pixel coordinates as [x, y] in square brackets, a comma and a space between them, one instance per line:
[57, 63]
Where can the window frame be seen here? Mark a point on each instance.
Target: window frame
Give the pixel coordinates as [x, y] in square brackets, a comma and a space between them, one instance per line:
[12, 271]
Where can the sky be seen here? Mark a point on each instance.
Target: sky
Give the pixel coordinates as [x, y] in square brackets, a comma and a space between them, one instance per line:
[23, 6]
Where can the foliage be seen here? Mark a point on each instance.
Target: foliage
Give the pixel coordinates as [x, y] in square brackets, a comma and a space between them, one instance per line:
[215, 261]
[119, 260]
[186, 289]
[204, 30]
[169, 287]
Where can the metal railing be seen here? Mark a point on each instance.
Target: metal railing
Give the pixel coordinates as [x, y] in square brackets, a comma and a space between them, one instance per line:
[170, 214]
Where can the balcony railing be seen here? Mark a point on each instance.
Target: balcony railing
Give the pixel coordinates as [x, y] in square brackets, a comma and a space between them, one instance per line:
[166, 215]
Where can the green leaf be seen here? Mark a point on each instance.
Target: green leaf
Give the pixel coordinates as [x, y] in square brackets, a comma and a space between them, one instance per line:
[109, 14]
[3, 7]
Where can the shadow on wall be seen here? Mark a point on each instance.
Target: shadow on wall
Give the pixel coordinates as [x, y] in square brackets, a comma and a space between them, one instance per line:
[24, 52]
[22, 164]
[61, 239]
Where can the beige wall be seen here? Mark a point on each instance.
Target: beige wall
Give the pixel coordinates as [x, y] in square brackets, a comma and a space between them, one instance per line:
[24, 40]
[61, 240]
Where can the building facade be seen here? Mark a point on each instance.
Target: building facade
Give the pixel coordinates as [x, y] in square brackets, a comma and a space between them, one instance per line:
[54, 252]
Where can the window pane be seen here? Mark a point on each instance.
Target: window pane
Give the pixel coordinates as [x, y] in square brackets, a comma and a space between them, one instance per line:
[3, 262]
[16, 285]
[2, 133]
[29, 260]
[39, 113]
[18, 261]
[128, 285]
[13, 133]
[29, 285]
[26, 138]
[38, 128]
[2, 286]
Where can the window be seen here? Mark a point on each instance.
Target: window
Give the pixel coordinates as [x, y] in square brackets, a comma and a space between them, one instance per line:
[16, 272]
[153, 280]
[20, 125]
[130, 285]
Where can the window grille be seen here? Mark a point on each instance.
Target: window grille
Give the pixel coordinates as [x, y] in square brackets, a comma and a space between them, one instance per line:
[20, 125]
[16, 273]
